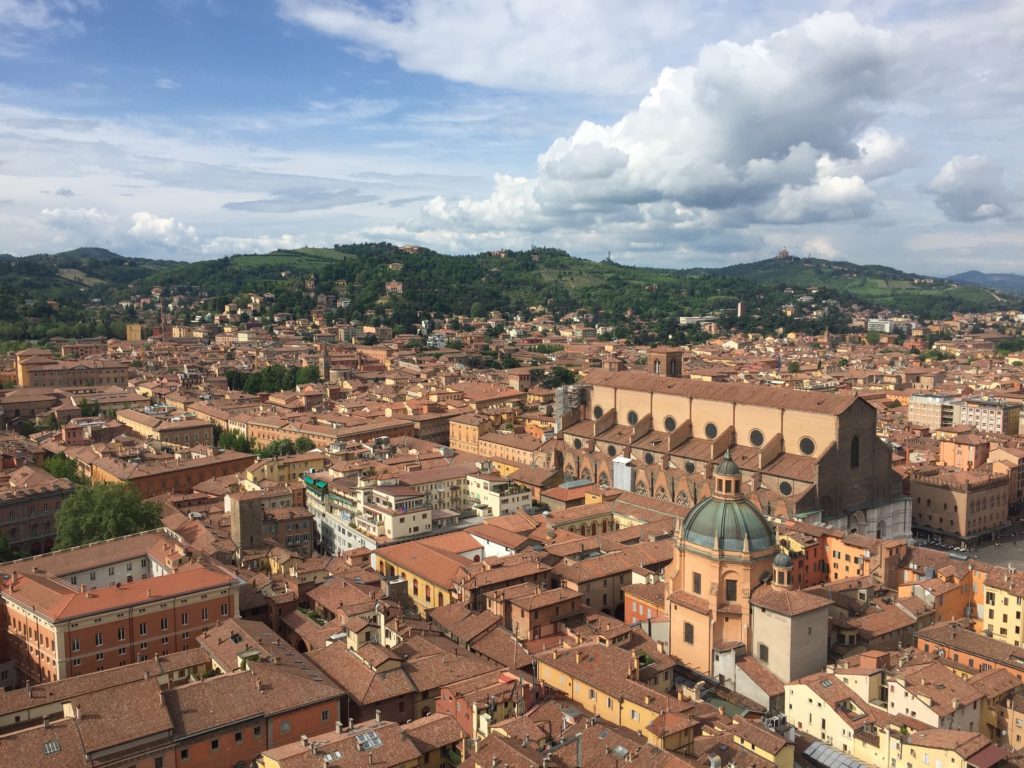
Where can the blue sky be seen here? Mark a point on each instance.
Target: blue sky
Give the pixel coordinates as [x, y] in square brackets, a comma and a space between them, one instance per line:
[669, 132]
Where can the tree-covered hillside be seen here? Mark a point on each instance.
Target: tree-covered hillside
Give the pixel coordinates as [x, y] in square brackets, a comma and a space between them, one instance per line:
[77, 293]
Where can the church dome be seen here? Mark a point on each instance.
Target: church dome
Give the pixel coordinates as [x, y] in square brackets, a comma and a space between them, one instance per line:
[782, 560]
[732, 525]
[728, 467]
[727, 521]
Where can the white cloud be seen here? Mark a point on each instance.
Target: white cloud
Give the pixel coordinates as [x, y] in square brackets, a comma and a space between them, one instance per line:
[778, 131]
[970, 188]
[22, 22]
[164, 231]
[167, 84]
[224, 245]
[596, 46]
[821, 248]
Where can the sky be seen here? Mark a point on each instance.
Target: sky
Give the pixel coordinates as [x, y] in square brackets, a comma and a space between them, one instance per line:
[672, 133]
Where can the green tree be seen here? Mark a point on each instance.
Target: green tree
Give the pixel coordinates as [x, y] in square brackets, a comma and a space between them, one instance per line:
[103, 511]
[793, 366]
[60, 465]
[232, 440]
[559, 376]
[89, 408]
[872, 337]
[304, 444]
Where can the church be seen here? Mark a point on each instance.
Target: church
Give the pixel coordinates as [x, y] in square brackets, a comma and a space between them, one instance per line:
[729, 592]
[807, 454]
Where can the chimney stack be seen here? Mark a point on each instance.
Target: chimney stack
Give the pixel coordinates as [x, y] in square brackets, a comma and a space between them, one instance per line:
[377, 715]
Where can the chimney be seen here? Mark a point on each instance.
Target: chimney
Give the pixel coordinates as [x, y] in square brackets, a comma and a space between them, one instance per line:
[579, 750]
[351, 722]
[304, 740]
[377, 715]
[339, 727]
[579, 657]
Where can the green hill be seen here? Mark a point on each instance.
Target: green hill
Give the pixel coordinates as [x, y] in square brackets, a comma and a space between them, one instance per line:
[871, 285]
[77, 292]
[1005, 282]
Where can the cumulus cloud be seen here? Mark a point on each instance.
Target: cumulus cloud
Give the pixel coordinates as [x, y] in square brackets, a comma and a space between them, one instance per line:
[822, 248]
[595, 46]
[165, 231]
[226, 244]
[970, 188]
[778, 131]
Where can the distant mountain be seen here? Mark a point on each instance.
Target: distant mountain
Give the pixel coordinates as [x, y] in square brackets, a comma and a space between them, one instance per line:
[869, 284]
[997, 281]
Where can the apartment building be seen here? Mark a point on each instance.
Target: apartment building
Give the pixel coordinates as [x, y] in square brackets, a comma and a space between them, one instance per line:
[959, 506]
[934, 410]
[154, 473]
[167, 426]
[38, 368]
[840, 722]
[109, 604]
[625, 688]
[29, 500]
[991, 415]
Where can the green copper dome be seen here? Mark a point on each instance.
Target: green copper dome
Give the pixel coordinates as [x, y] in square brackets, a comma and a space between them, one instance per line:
[728, 467]
[728, 524]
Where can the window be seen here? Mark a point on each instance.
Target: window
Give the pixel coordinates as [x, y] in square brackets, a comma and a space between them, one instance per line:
[785, 488]
[120, 633]
[756, 438]
[806, 446]
[224, 609]
[598, 411]
[855, 452]
[325, 715]
[648, 458]
[634, 715]
[142, 628]
[184, 754]
[184, 618]
[75, 645]
[762, 652]
[163, 623]
[99, 638]
[710, 430]
[215, 744]
[688, 633]
[612, 451]
[158, 761]
[632, 418]
[696, 583]
[257, 730]
[730, 590]
[670, 424]
[238, 736]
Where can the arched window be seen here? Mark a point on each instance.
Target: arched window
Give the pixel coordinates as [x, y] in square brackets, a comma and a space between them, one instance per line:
[657, 366]
[855, 452]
